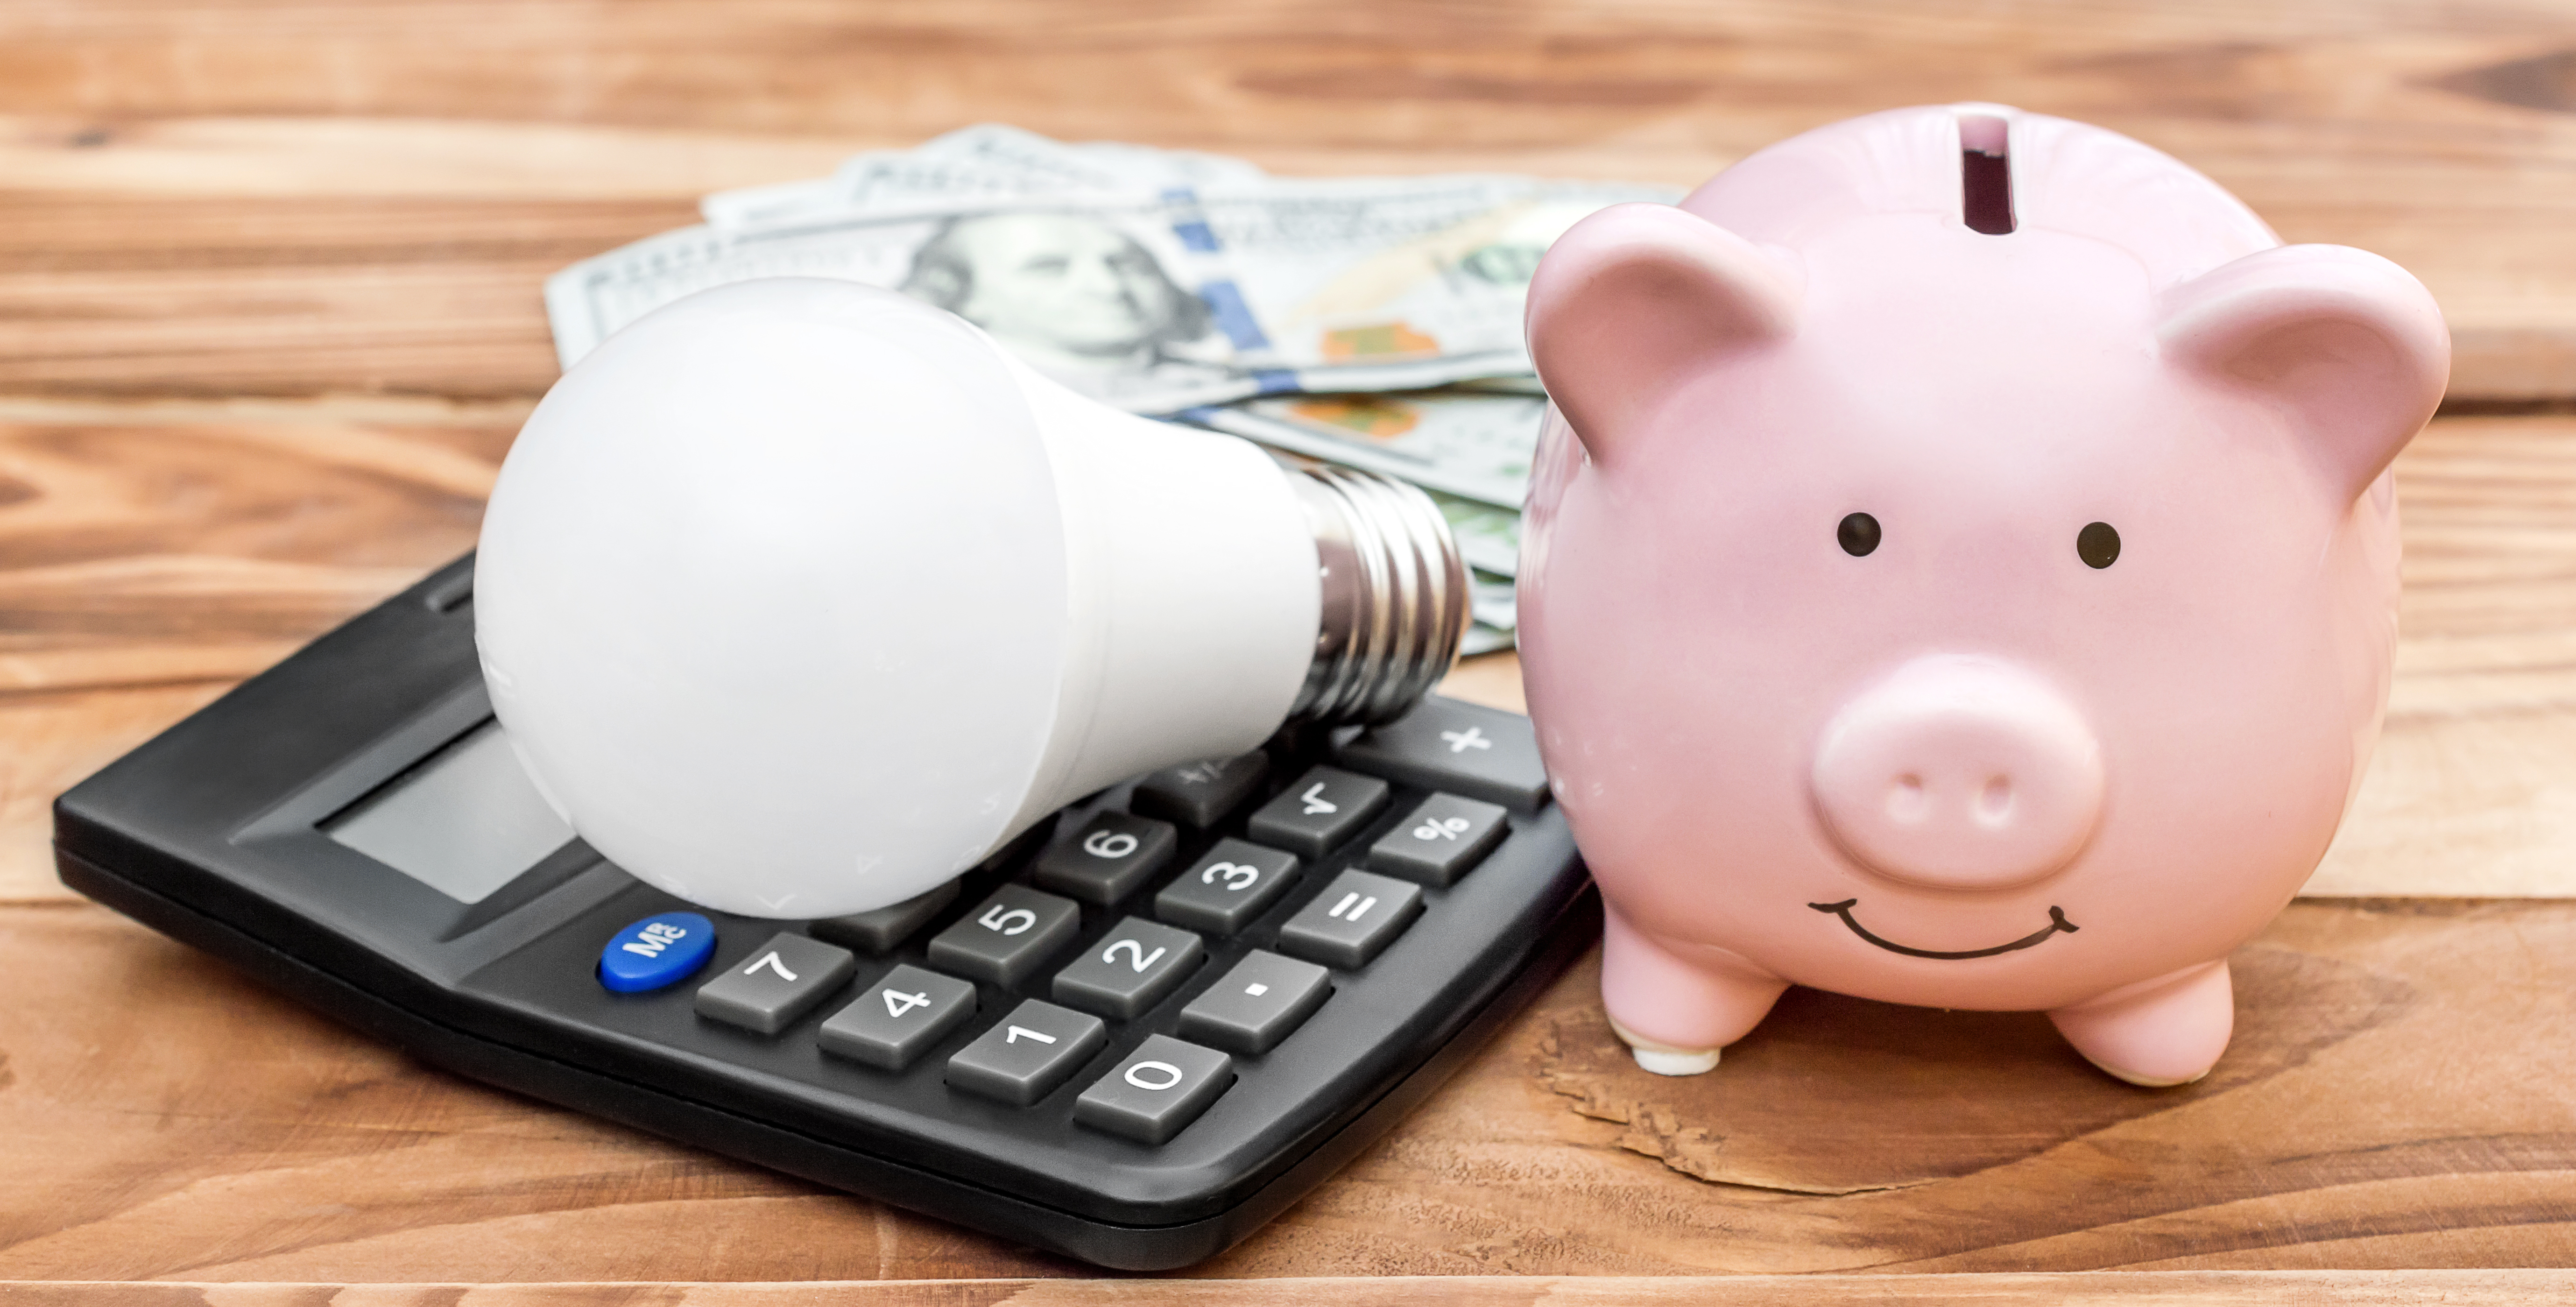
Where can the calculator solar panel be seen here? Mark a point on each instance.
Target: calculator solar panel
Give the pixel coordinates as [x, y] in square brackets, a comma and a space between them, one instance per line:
[1132, 1036]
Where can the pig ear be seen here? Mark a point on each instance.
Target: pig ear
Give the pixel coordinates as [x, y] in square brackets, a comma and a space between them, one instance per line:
[1628, 300]
[2346, 342]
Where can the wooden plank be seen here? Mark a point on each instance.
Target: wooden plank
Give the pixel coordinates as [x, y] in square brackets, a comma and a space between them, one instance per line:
[291, 199]
[229, 163]
[2487, 1288]
[2394, 1099]
[2368, 1081]
[150, 555]
[2471, 791]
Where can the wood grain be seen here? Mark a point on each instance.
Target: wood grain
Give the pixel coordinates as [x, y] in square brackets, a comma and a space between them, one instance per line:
[2405, 1129]
[269, 317]
[2397, 1097]
[2473, 788]
[279, 197]
[2486, 1288]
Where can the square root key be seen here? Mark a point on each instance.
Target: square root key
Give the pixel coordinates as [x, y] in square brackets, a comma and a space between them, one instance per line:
[894, 1021]
[1444, 839]
[1034, 1049]
[1161, 1087]
[1200, 794]
[1443, 744]
[781, 981]
[1352, 921]
[1320, 809]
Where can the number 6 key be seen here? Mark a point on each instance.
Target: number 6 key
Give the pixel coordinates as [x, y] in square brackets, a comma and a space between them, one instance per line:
[1109, 858]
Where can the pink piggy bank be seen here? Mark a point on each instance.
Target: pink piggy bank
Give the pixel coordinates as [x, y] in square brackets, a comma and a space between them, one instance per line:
[1960, 570]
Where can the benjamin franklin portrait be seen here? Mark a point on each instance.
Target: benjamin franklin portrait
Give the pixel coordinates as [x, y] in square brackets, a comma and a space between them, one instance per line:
[1064, 291]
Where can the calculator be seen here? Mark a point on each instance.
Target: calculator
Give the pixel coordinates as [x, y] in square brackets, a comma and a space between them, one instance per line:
[1139, 1031]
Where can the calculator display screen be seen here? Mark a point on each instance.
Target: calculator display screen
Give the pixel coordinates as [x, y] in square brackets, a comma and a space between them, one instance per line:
[465, 823]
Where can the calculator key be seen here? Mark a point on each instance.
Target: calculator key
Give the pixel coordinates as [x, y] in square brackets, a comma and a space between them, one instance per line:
[897, 1019]
[781, 981]
[1200, 794]
[1161, 1087]
[1037, 1047]
[1225, 890]
[1319, 810]
[1257, 1004]
[1130, 969]
[1007, 938]
[1444, 839]
[656, 953]
[1110, 857]
[1443, 744]
[881, 930]
[1355, 918]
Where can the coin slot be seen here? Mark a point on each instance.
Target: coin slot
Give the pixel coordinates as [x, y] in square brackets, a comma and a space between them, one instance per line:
[1985, 174]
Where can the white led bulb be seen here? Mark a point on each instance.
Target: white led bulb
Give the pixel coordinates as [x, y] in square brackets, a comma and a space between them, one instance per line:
[799, 597]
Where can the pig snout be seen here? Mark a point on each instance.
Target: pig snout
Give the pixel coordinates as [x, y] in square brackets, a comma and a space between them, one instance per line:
[1959, 773]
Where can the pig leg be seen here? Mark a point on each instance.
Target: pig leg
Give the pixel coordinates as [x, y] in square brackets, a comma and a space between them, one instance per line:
[1675, 1013]
[2166, 1031]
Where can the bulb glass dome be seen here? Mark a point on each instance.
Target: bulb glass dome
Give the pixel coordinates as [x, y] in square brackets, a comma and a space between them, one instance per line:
[772, 596]
[797, 597]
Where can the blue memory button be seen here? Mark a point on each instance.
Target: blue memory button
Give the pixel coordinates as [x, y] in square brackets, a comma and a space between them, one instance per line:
[656, 952]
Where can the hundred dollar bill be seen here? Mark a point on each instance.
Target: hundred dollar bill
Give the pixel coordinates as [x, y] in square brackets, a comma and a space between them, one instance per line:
[1483, 639]
[1489, 538]
[1159, 303]
[982, 162]
[1470, 444]
[1491, 600]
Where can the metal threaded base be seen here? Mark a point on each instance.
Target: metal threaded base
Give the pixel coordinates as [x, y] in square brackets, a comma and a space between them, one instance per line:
[1395, 596]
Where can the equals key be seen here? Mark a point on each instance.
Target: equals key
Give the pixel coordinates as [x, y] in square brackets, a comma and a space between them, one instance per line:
[1353, 920]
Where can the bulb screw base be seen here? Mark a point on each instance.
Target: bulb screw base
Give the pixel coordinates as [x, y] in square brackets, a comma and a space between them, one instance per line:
[1395, 597]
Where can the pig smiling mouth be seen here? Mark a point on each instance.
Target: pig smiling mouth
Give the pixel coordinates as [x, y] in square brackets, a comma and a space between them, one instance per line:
[2056, 922]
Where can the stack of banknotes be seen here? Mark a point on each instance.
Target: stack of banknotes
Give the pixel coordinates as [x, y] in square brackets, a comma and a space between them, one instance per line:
[1368, 321]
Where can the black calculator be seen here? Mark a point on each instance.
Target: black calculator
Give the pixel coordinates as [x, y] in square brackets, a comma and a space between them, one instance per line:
[1134, 1035]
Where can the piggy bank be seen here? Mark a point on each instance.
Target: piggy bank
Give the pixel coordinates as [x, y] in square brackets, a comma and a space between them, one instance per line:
[1960, 570]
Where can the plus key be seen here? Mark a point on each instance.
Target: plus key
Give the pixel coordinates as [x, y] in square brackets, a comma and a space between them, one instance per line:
[1456, 747]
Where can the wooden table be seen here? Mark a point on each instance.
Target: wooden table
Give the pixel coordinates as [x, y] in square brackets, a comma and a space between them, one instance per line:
[269, 317]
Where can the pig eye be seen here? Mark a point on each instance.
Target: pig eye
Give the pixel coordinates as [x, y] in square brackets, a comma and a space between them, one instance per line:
[2098, 545]
[1859, 534]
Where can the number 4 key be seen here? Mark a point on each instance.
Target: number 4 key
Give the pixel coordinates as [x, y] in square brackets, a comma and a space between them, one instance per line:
[902, 1016]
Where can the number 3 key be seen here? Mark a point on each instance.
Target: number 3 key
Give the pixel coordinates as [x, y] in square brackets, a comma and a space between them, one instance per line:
[1236, 882]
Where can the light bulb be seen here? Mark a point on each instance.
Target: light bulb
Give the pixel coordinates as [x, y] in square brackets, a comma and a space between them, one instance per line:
[797, 597]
